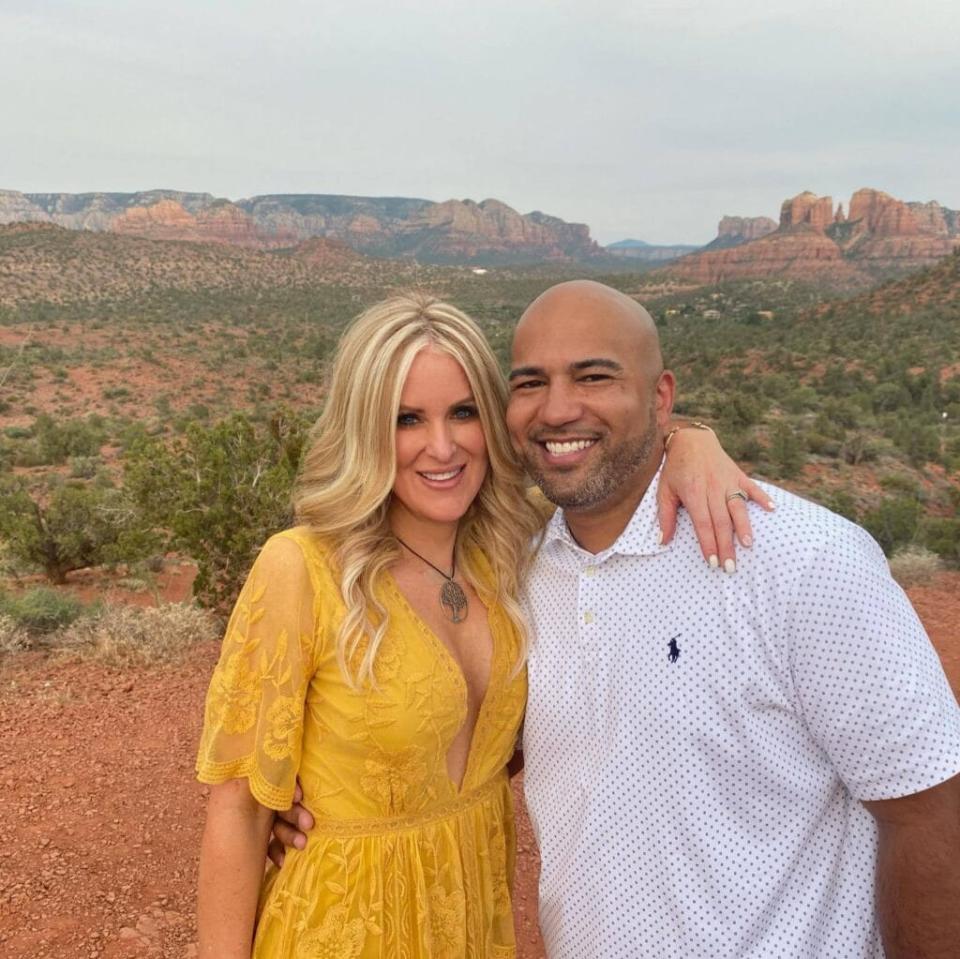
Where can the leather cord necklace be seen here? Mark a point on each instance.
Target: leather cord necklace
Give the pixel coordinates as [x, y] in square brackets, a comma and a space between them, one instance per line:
[453, 600]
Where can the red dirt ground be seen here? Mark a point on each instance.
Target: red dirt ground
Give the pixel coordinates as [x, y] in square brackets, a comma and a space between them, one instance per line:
[100, 817]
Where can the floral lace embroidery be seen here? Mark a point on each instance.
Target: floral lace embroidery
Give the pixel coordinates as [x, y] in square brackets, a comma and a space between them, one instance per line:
[386, 871]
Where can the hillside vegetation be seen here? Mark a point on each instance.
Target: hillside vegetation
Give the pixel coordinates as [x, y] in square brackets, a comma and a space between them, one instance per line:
[152, 385]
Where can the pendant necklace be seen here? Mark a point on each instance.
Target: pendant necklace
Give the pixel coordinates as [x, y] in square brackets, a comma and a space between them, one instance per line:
[453, 599]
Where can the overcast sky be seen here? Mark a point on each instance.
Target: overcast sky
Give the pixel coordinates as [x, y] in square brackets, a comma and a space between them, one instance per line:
[643, 119]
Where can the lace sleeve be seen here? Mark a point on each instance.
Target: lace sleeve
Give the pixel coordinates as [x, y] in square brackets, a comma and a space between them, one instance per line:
[253, 719]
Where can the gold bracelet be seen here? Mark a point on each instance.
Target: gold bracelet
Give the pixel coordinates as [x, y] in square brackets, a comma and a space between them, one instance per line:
[692, 425]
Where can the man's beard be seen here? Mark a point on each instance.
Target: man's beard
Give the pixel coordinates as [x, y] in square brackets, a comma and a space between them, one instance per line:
[608, 475]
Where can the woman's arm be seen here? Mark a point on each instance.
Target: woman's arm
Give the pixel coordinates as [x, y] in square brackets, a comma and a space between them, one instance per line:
[231, 869]
[700, 476]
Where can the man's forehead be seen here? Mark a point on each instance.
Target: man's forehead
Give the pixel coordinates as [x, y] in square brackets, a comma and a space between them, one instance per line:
[570, 338]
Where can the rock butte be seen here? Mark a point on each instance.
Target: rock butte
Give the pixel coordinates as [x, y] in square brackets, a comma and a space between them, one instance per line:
[879, 235]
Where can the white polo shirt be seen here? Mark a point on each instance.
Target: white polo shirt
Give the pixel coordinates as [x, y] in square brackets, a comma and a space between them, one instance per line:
[696, 743]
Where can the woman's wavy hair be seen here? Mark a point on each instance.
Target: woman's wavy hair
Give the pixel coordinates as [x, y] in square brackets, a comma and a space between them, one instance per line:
[347, 474]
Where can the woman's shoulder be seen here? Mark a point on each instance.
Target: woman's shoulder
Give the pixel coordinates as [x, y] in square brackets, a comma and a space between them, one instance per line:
[313, 551]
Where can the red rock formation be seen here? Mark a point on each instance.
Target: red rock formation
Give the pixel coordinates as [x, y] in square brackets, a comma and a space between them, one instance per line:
[880, 235]
[931, 217]
[745, 228]
[734, 230]
[798, 253]
[885, 234]
[221, 222]
[807, 209]
[880, 213]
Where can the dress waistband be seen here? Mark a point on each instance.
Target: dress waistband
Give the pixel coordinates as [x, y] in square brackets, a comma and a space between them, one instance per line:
[376, 827]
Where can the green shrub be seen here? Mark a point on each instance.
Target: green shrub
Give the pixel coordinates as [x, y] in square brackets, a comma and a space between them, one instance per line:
[786, 453]
[42, 609]
[942, 535]
[894, 522]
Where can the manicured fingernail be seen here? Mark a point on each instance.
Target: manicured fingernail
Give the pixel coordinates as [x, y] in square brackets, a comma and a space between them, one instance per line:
[746, 541]
[713, 561]
[771, 505]
[660, 538]
[729, 566]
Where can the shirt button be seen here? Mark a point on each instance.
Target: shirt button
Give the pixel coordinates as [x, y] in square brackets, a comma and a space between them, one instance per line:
[591, 570]
[588, 617]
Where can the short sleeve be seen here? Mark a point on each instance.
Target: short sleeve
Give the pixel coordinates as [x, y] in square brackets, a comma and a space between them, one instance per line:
[253, 718]
[869, 682]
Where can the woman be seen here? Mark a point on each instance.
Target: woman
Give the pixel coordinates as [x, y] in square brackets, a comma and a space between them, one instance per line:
[376, 651]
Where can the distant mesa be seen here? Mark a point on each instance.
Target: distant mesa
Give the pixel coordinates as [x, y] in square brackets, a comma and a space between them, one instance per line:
[644, 252]
[879, 236]
[455, 231]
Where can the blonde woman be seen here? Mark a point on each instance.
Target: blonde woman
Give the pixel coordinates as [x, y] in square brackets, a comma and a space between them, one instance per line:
[376, 651]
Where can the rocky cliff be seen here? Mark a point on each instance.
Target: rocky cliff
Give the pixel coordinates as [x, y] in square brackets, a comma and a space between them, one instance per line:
[736, 230]
[879, 236]
[456, 231]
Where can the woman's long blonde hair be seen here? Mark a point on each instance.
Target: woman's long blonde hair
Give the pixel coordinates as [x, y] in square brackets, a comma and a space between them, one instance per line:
[348, 470]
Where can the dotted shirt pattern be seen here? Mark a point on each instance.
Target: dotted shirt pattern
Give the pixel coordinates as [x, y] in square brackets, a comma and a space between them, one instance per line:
[697, 743]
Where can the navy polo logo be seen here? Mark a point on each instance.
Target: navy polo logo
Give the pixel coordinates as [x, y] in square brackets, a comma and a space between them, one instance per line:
[674, 650]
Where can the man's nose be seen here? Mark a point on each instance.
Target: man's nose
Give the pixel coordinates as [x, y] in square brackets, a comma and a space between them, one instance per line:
[561, 405]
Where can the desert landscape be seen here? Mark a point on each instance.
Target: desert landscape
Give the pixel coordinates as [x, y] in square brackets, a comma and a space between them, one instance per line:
[161, 357]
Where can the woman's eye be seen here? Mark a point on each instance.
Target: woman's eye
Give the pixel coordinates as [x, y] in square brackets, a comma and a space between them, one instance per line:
[464, 412]
[407, 419]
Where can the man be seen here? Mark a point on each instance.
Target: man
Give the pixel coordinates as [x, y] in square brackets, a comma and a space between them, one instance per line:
[759, 765]
[755, 765]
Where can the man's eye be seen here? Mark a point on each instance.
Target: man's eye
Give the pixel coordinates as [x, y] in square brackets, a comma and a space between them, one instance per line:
[594, 377]
[526, 384]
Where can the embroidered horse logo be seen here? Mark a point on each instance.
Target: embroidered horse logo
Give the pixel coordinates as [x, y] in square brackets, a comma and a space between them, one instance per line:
[674, 654]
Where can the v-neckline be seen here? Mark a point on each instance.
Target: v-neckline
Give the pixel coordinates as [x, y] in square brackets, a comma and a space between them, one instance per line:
[456, 670]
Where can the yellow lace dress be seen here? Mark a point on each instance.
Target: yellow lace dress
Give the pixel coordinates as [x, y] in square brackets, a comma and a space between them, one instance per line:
[401, 863]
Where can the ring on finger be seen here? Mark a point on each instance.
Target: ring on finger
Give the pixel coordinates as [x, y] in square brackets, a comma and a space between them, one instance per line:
[737, 494]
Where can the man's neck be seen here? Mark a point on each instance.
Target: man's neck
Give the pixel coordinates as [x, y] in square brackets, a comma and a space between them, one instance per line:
[597, 528]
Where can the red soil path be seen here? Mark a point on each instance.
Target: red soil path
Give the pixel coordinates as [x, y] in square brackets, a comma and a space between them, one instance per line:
[100, 817]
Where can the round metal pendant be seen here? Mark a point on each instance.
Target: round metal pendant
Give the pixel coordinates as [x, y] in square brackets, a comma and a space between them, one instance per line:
[454, 600]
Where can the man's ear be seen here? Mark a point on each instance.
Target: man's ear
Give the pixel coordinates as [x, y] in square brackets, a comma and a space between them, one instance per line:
[666, 390]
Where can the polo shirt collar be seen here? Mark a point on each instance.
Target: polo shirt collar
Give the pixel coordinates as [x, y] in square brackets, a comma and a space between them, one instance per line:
[641, 536]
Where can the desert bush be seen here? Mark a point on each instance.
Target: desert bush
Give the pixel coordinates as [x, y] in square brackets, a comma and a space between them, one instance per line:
[41, 610]
[84, 467]
[217, 493]
[894, 522]
[74, 527]
[786, 453]
[57, 441]
[942, 535]
[133, 635]
[914, 565]
[13, 636]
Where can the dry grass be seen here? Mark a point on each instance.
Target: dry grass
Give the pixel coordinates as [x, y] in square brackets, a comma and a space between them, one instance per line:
[914, 566]
[13, 636]
[133, 635]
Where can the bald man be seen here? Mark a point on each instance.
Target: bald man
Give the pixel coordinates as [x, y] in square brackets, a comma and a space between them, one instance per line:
[757, 765]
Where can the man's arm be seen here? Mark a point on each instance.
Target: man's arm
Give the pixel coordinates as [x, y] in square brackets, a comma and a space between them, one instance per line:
[918, 873]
